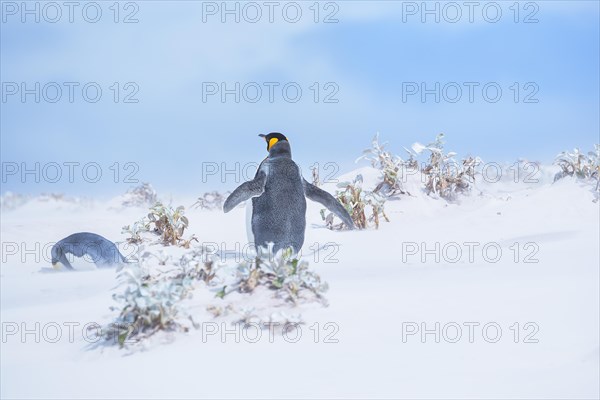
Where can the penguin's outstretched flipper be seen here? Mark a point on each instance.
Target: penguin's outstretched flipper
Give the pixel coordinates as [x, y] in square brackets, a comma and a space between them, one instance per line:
[245, 191]
[320, 196]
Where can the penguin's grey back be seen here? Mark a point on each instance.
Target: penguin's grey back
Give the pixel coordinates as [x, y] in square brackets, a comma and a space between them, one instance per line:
[98, 249]
[279, 213]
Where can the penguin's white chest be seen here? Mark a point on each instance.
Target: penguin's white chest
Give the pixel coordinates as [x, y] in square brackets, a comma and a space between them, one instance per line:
[249, 211]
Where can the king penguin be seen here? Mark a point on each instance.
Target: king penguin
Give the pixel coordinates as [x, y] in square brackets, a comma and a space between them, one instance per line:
[96, 248]
[278, 195]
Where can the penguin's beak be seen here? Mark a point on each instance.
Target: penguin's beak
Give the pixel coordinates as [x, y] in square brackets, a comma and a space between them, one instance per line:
[55, 266]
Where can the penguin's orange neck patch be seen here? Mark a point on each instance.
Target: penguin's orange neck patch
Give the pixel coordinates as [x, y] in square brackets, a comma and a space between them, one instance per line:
[272, 142]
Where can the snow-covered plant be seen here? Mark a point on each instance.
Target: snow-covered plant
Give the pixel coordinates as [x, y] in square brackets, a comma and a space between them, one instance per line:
[186, 243]
[289, 278]
[135, 231]
[200, 266]
[211, 200]
[250, 315]
[315, 176]
[164, 221]
[358, 203]
[443, 175]
[151, 298]
[54, 197]
[147, 304]
[161, 257]
[579, 164]
[392, 167]
[142, 195]
[62, 198]
[11, 201]
[167, 222]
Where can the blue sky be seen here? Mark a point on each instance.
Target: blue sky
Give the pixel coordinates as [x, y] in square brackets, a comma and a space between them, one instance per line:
[369, 56]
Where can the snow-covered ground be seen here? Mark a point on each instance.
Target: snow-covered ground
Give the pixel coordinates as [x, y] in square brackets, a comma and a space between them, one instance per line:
[505, 283]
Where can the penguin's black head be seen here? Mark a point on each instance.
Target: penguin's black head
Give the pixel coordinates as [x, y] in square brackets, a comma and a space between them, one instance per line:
[56, 253]
[272, 138]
